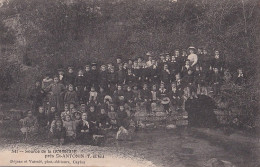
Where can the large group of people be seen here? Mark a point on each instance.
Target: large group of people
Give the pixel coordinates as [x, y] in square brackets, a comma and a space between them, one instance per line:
[73, 106]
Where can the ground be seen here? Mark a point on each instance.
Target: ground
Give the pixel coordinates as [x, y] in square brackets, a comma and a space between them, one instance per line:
[167, 148]
[188, 147]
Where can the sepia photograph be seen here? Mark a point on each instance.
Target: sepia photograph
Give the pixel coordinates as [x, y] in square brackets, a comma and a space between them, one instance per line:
[129, 83]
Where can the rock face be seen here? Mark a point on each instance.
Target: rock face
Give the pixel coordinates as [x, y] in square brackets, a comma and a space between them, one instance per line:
[201, 112]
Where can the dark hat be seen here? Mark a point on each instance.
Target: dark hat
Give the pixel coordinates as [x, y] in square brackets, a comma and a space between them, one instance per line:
[61, 70]
[70, 67]
[87, 65]
[119, 57]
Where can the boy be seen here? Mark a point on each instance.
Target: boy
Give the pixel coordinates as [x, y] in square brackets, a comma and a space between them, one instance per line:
[216, 81]
[94, 76]
[121, 75]
[103, 78]
[92, 118]
[42, 119]
[80, 83]
[61, 76]
[71, 95]
[103, 119]
[70, 128]
[93, 96]
[165, 75]
[145, 96]
[130, 78]
[240, 78]
[122, 117]
[29, 125]
[65, 112]
[118, 94]
[112, 117]
[112, 80]
[87, 75]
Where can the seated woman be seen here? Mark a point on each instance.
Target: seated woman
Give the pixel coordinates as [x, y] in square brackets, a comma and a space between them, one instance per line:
[84, 132]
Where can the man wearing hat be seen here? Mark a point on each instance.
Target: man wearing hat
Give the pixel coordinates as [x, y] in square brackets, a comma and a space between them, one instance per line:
[192, 56]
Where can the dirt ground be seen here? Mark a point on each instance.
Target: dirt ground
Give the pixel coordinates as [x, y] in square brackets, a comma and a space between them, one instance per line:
[166, 148]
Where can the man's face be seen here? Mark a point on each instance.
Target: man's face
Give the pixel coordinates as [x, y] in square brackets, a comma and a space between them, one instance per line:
[70, 70]
[87, 68]
[177, 53]
[103, 68]
[52, 109]
[154, 87]
[56, 80]
[121, 108]
[165, 67]
[91, 109]
[153, 62]
[80, 72]
[119, 88]
[150, 58]
[70, 88]
[93, 68]
[205, 52]
[118, 60]
[41, 110]
[37, 84]
[128, 88]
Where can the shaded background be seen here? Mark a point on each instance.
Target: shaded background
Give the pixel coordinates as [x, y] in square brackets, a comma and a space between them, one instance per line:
[39, 36]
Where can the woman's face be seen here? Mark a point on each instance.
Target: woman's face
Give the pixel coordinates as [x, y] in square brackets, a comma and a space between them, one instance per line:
[67, 118]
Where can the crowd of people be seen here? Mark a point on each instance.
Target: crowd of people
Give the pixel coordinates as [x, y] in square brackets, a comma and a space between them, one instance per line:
[73, 106]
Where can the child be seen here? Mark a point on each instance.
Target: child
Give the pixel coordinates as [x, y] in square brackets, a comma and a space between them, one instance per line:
[240, 79]
[145, 95]
[29, 125]
[93, 95]
[71, 95]
[122, 117]
[112, 116]
[101, 95]
[70, 77]
[118, 94]
[42, 119]
[163, 96]
[58, 133]
[80, 86]
[51, 115]
[77, 118]
[65, 112]
[70, 128]
[189, 86]
[56, 91]
[103, 78]
[92, 118]
[84, 131]
[216, 81]
[112, 80]
[103, 119]
[136, 93]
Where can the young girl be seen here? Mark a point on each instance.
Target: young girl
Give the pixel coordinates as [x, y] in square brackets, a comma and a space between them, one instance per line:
[112, 117]
[71, 95]
[70, 128]
[58, 133]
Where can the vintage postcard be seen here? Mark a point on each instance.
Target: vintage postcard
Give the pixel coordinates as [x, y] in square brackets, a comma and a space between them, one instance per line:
[129, 83]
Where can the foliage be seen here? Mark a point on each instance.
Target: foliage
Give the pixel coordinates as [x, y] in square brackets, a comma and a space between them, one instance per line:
[56, 33]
